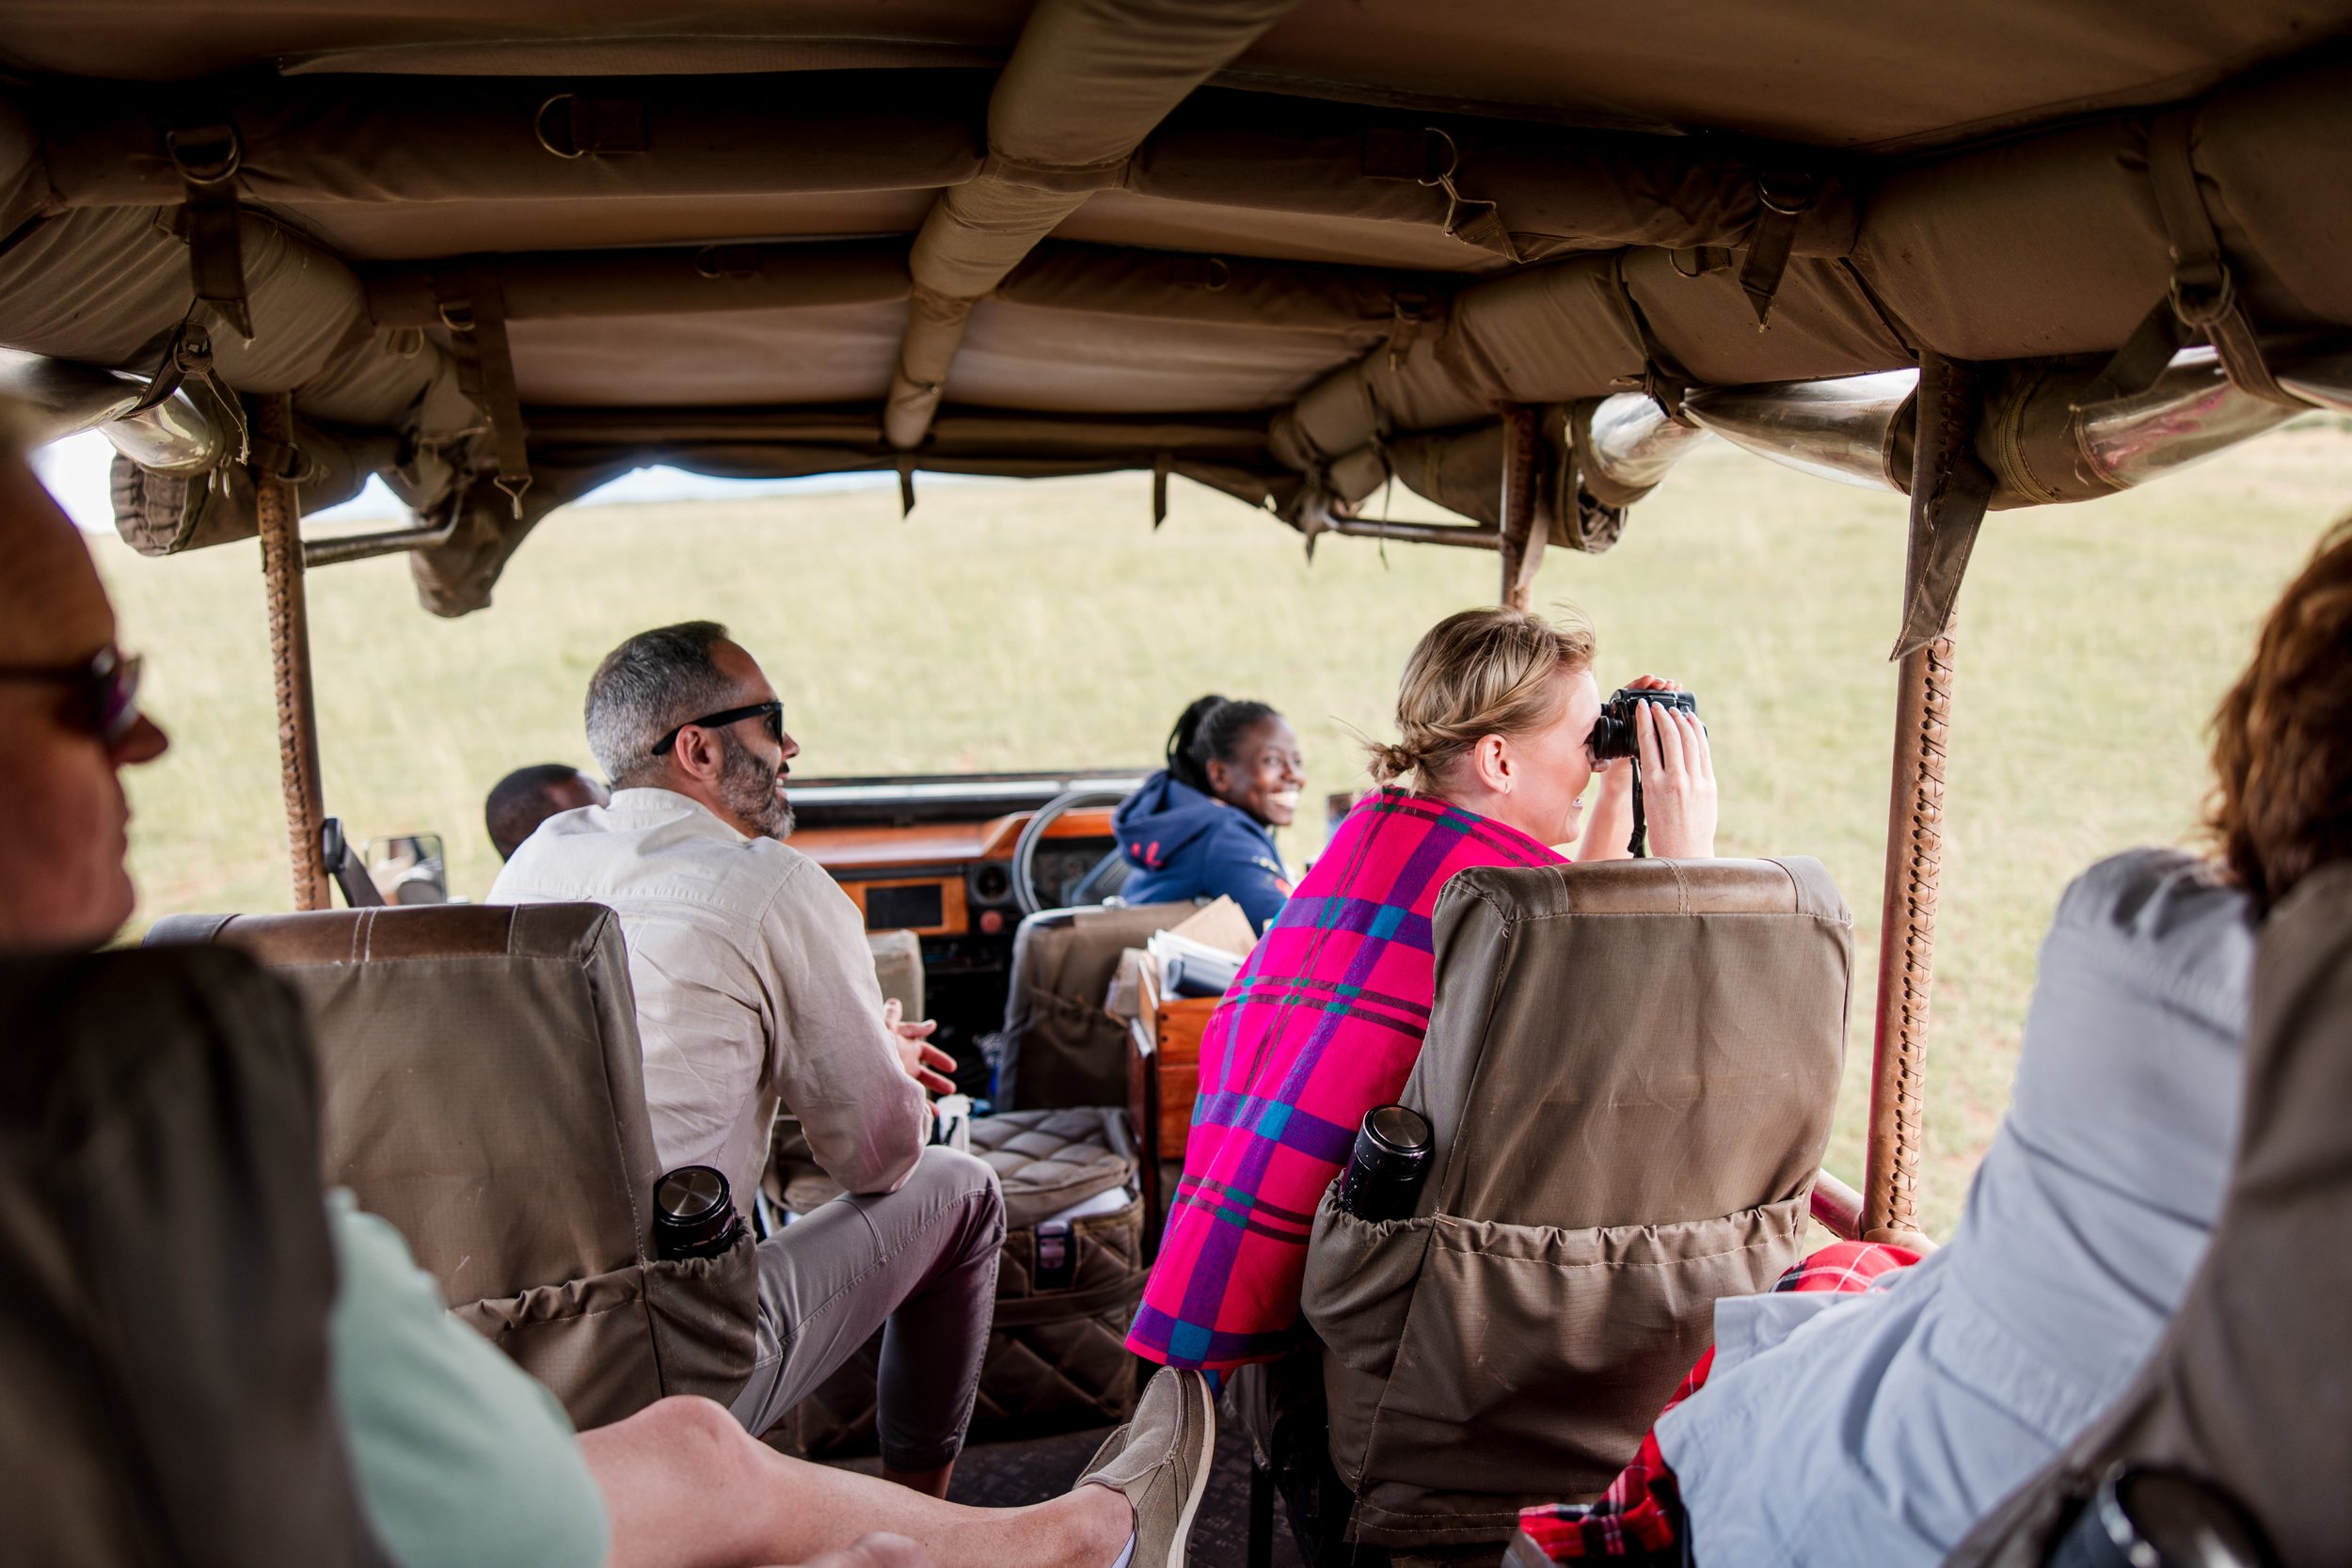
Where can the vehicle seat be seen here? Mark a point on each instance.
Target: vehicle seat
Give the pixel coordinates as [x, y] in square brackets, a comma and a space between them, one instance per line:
[166, 1272]
[1629, 1073]
[898, 969]
[485, 1093]
[1058, 1048]
[2252, 1387]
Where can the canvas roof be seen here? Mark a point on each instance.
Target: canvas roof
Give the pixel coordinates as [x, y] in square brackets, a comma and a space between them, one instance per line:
[1028, 239]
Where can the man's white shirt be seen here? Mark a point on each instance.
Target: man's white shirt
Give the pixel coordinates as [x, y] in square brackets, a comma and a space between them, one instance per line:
[755, 986]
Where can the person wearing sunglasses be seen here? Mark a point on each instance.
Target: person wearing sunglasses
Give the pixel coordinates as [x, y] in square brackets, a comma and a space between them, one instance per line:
[68, 709]
[755, 989]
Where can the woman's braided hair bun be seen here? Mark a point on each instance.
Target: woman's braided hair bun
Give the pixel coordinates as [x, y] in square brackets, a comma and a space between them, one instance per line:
[1475, 673]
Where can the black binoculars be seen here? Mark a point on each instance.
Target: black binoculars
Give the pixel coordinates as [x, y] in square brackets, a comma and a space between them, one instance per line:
[1614, 734]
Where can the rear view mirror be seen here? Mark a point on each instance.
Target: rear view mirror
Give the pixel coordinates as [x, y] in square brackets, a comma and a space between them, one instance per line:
[408, 868]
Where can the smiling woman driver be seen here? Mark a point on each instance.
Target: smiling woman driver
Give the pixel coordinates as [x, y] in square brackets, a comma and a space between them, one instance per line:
[1328, 1016]
[1201, 827]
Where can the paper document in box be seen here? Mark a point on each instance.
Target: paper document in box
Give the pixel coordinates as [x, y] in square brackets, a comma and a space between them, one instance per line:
[1218, 923]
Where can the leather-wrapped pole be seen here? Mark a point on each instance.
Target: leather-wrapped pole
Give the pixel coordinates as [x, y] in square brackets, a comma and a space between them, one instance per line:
[280, 511]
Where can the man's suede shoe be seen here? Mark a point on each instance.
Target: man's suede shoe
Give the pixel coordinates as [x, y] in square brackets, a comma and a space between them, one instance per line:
[1160, 1463]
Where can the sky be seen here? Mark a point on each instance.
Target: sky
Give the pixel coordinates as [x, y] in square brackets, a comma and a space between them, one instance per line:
[75, 471]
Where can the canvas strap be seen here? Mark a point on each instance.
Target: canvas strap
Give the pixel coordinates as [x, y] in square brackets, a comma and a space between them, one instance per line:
[1782, 198]
[2203, 304]
[208, 158]
[1950, 487]
[486, 375]
[1662, 376]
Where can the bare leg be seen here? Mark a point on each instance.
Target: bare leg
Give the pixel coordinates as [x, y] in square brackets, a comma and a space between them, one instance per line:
[687, 1488]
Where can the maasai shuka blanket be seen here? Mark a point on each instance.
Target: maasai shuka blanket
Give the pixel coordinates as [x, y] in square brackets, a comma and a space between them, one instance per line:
[1322, 1024]
[1639, 1516]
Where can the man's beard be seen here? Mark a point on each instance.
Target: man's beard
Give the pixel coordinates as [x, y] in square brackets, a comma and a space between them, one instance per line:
[748, 786]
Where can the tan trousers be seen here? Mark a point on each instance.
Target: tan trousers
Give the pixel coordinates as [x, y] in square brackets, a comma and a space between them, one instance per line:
[920, 1264]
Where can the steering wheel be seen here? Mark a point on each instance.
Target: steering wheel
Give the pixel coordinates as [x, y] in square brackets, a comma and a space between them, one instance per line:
[1024, 889]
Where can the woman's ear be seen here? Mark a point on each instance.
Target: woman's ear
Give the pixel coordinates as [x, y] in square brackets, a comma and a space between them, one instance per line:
[1220, 777]
[1491, 759]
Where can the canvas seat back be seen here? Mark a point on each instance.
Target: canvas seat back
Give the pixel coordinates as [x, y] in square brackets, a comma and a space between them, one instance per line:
[485, 1093]
[1629, 1072]
[166, 1272]
[2250, 1389]
[1058, 1047]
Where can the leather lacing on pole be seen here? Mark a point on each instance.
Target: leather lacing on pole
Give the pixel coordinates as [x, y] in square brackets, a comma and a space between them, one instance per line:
[1914, 877]
[279, 515]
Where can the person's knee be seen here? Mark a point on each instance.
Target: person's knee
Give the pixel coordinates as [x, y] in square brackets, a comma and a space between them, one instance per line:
[698, 1436]
[957, 1176]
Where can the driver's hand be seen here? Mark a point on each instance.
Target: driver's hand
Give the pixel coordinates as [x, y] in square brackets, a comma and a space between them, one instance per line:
[925, 1062]
[1677, 781]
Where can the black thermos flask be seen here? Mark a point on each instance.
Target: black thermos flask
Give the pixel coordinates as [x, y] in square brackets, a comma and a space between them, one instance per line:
[1384, 1175]
[693, 1214]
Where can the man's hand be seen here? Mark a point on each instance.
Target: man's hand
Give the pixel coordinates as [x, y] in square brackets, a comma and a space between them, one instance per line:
[1677, 781]
[915, 1053]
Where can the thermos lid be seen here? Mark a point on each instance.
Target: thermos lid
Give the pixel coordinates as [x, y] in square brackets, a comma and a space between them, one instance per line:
[689, 1193]
[1398, 1129]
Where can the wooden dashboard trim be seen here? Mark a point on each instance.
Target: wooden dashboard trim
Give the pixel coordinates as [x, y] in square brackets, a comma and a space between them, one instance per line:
[955, 915]
[854, 851]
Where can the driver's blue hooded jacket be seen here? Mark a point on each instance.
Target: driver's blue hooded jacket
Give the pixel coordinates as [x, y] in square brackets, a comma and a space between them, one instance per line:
[1181, 843]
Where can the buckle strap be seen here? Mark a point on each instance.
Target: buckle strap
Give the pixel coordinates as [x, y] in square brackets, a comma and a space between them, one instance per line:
[208, 158]
[1662, 376]
[486, 375]
[1950, 488]
[2201, 303]
[1782, 198]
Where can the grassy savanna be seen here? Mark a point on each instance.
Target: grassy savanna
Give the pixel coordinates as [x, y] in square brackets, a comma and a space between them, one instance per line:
[1009, 625]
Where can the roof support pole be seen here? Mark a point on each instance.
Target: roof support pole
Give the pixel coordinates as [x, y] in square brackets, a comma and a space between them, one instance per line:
[1524, 527]
[1088, 81]
[290, 649]
[1915, 853]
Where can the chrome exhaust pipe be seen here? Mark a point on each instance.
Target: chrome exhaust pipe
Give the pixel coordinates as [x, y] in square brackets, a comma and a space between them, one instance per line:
[1635, 442]
[1855, 428]
[173, 437]
[2324, 381]
[2192, 412]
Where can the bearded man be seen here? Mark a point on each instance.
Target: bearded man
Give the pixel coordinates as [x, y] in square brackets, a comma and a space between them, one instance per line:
[755, 987]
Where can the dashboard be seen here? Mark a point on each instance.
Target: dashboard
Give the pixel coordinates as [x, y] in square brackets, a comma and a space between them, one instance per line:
[934, 855]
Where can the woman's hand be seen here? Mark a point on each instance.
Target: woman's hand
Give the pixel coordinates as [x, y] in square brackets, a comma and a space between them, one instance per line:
[1677, 781]
[1609, 820]
[916, 1051]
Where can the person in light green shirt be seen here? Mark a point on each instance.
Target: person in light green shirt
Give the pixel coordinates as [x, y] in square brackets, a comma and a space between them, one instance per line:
[463, 1458]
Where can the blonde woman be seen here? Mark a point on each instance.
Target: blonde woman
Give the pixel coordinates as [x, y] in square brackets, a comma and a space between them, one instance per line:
[1328, 1017]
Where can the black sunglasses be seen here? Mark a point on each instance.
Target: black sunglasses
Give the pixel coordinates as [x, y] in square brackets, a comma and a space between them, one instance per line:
[103, 693]
[772, 710]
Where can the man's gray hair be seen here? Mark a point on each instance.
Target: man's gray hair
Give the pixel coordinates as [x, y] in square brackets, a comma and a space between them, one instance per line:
[649, 687]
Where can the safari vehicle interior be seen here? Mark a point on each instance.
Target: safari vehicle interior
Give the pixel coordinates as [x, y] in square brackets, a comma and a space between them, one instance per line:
[1991, 255]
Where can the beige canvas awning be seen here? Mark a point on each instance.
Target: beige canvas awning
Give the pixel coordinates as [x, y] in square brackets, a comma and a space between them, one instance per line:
[1290, 248]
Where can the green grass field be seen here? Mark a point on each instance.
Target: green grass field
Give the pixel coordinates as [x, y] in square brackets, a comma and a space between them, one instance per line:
[1009, 625]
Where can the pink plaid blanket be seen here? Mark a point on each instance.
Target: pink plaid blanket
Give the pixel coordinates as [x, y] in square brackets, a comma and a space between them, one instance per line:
[1323, 1023]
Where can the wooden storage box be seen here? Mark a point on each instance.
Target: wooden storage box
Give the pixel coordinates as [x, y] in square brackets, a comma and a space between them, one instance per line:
[1163, 1076]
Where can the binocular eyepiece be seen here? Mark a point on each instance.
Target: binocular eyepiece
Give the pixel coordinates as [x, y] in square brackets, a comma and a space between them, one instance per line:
[1614, 734]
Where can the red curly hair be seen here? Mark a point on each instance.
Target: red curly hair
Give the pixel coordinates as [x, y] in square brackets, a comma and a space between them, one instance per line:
[2281, 803]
